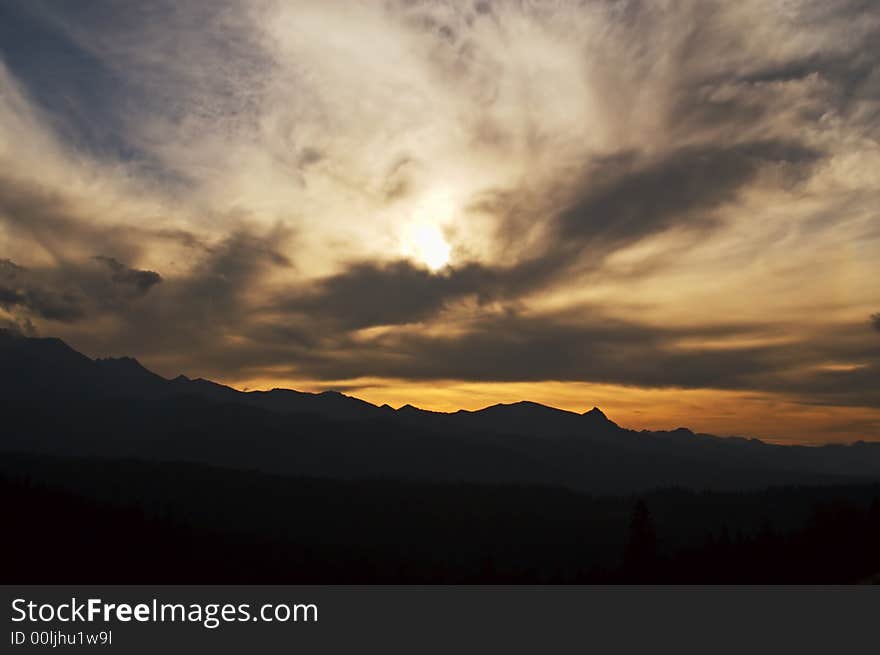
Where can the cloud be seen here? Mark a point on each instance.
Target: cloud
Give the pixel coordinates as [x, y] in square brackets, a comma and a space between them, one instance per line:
[654, 194]
[139, 281]
[22, 291]
[372, 294]
[649, 198]
[204, 314]
[630, 201]
[72, 292]
[590, 346]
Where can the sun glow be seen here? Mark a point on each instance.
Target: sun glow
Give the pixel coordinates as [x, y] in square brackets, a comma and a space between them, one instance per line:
[424, 238]
[430, 247]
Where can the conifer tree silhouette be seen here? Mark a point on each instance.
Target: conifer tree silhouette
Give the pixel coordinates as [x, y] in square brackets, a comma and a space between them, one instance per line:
[641, 555]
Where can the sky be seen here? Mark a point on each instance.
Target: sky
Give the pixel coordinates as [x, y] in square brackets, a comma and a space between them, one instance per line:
[668, 209]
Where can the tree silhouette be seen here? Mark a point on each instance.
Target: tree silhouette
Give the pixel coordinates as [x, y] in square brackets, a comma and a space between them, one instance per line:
[641, 555]
[188, 524]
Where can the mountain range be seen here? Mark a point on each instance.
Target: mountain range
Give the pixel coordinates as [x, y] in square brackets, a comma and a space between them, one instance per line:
[60, 402]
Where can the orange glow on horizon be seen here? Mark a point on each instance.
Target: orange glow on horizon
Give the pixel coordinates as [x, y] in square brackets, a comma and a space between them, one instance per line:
[775, 418]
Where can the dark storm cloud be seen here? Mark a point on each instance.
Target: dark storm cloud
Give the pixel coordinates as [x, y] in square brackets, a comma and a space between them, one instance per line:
[47, 304]
[875, 321]
[595, 348]
[214, 293]
[22, 291]
[515, 348]
[139, 281]
[626, 197]
[207, 314]
[72, 292]
[369, 294]
[682, 187]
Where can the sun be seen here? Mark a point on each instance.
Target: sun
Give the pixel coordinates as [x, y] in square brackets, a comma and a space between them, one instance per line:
[424, 238]
[429, 246]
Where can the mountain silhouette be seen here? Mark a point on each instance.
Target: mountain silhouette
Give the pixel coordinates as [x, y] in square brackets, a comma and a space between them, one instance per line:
[60, 402]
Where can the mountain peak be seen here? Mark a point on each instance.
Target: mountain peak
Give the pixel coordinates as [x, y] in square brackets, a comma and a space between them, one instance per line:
[598, 418]
[120, 361]
[123, 364]
[522, 407]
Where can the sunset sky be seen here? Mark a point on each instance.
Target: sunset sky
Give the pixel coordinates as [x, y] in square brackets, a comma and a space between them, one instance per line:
[669, 209]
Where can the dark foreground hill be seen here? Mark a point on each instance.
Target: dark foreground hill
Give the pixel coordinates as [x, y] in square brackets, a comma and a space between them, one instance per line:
[60, 402]
[125, 521]
[111, 473]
